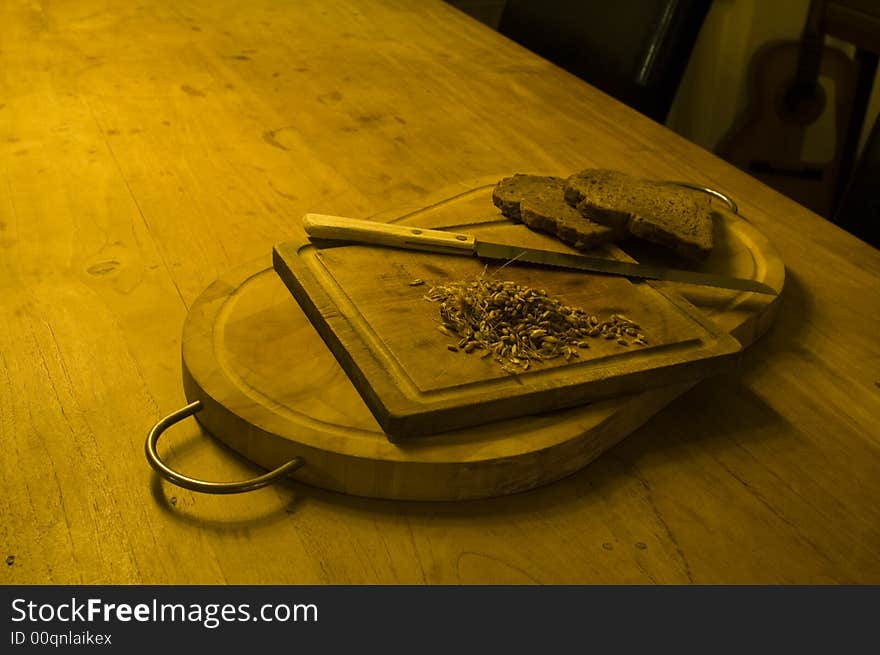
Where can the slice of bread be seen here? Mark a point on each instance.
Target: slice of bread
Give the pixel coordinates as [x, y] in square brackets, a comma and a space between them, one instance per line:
[669, 215]
[509, 192]
[539, 202]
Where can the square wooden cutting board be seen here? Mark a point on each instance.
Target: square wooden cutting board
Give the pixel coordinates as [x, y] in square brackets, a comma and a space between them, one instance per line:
[384, 333]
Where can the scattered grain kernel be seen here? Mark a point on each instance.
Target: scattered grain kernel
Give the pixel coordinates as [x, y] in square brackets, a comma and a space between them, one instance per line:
[518, 325]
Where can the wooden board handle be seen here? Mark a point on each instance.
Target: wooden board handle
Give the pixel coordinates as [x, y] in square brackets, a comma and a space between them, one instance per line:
[322, 226]
[193, 484]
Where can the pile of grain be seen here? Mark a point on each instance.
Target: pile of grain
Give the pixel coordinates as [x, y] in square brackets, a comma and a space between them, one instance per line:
[518, 325]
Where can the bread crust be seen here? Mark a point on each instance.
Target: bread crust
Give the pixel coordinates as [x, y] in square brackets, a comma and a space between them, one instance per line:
[539, 202]
[672, 216]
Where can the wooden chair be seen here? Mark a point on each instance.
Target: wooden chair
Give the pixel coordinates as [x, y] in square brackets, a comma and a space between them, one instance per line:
[634, 50]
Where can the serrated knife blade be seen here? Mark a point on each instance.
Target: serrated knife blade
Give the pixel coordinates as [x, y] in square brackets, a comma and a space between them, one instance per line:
[339, 228]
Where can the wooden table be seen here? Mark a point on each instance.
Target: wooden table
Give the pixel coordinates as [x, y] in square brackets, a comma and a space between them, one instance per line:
[147, 148]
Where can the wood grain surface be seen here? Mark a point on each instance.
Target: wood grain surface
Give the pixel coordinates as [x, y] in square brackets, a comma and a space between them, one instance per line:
[149, 148]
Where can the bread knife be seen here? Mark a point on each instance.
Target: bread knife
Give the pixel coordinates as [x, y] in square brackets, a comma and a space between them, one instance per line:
[339, 228]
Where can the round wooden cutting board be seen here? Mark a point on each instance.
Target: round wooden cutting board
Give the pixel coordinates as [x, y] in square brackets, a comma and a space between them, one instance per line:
[272, 390]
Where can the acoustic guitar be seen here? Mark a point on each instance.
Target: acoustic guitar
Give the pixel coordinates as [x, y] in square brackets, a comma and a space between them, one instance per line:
[792, 132]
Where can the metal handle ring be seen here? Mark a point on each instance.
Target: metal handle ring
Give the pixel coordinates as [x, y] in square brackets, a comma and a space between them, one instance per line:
[201, 485]
[723, 197]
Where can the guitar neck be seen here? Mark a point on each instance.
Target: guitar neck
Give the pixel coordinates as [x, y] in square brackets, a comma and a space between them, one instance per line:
[812, 42]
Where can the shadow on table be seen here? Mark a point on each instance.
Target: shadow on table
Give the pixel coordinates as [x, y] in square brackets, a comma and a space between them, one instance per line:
[222, 513]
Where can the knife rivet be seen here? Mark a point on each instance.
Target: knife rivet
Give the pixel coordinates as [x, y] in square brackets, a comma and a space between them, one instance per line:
[416, 231]
[461, 237]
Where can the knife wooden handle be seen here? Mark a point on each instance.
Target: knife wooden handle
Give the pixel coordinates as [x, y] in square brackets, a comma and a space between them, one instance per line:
[339, 228]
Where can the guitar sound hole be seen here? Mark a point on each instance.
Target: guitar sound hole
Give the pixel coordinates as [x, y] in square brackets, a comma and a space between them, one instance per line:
[802, 103]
